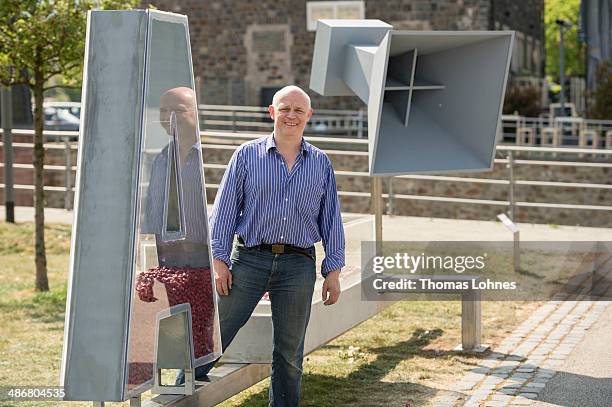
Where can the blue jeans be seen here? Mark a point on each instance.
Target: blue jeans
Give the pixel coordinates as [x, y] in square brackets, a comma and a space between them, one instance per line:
[289, 279]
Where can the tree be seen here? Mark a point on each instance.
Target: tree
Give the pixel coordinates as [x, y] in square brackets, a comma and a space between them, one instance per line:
[40, 40]
[574, 60]
[524, 100]
[601, 98]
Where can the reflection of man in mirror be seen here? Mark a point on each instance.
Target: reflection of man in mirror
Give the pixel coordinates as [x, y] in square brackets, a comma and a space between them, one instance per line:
[175, 213]
[180, 101]
[164, 192]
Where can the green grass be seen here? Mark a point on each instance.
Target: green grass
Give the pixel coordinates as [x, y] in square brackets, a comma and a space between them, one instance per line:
[32, 322]
[403, 356]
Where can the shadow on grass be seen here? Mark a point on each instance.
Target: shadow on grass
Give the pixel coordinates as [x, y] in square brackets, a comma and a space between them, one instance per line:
[525, 272]
[47, 307]
[365, 385]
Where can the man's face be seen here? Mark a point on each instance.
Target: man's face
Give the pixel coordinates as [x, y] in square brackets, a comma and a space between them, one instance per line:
[180, 101]
[290, 115]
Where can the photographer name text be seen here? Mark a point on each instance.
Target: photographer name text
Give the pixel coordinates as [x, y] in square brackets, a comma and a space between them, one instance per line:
[428, 284]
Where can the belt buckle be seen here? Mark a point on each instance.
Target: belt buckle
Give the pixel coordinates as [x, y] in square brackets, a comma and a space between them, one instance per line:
[278, 248]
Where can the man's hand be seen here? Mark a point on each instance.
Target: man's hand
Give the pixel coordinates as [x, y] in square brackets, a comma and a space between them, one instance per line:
[331, 288]
[223, 277]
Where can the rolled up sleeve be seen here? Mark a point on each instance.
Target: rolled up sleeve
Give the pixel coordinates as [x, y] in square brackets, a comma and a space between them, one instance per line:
[330, 226]
[227, 209]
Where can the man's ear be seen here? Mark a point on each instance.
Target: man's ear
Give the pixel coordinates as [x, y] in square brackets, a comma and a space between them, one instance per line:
[271, 111]
[310, 112]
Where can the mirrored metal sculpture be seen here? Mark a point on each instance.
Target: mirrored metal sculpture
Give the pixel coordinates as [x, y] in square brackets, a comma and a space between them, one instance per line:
[140, 242]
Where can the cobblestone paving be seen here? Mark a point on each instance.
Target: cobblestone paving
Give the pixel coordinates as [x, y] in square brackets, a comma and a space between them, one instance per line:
[518, 370]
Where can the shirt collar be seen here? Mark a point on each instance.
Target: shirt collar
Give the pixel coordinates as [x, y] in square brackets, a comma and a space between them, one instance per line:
[270, 143]
[194, 147]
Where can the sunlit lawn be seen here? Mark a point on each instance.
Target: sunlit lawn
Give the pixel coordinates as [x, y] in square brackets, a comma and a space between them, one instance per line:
[403, 356]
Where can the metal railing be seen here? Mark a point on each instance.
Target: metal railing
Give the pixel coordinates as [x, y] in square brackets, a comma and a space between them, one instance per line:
[348, 123]
[511, 203]
[514, 129]
[556, 132]
[220, 140]
[519, 130]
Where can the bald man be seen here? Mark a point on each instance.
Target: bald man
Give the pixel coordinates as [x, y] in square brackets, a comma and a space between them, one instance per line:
[190, 248]
[181, 101]
[278, 197]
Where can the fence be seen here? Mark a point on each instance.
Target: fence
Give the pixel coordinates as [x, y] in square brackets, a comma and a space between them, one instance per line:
[556, 132]
[348, 123]
[519, 130]
[351, 147]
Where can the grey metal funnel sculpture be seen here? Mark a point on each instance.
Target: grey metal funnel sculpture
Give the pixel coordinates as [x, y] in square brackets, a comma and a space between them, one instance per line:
[434, 97]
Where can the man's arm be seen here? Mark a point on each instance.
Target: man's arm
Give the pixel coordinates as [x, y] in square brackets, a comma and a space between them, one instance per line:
[332, 233]
[154, 203]
[223, 220]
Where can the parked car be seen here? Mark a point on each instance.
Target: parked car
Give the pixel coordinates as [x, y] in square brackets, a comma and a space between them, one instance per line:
[62, 116]
[74, 108]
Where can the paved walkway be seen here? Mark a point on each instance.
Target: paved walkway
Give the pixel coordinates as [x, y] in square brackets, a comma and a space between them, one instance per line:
[587, 371]
[26, 214]
[559, 356]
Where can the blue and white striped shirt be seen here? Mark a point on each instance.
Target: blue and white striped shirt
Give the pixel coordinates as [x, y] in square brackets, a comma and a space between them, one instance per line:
[263, 202]
[193, 195]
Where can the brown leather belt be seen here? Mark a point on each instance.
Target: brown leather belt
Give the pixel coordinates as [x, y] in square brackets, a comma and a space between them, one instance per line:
[281, 248]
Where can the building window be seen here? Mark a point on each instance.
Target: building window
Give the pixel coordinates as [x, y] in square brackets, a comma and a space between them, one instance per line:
[269, 41]
[318, 10]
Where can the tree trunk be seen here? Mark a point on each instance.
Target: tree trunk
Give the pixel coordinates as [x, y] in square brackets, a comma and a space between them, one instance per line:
[42, 283]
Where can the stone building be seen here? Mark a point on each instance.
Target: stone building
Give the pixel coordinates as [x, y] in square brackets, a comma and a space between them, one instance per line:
[244, 50]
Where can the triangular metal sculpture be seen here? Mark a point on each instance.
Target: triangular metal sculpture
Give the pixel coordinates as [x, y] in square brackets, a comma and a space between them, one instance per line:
[140, 242]
[434, 97]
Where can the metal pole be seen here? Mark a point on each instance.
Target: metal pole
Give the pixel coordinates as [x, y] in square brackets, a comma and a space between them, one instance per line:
[7, 126]
[198, 86]
[68, 175]
[471, 316]
[516, 250]
[390, 199]
[562, 70]
[360, 123]
[511, 184]
[376, 199]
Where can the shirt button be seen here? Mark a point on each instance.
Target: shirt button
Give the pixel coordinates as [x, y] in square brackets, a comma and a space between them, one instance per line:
[284, 218]
[282, 237]
[286, 199]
